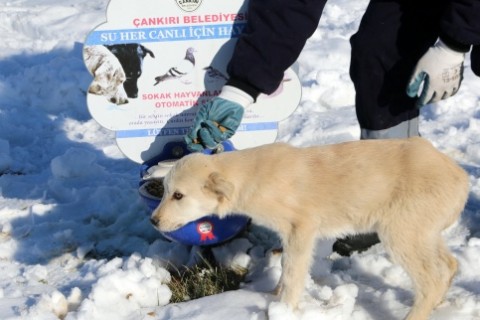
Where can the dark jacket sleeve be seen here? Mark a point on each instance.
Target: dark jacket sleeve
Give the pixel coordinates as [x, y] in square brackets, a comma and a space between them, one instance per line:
[460, 23]
[274, 37]
[460, 28]
[475, 60]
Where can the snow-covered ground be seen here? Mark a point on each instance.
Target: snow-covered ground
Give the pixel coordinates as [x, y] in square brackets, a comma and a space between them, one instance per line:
[75, 239]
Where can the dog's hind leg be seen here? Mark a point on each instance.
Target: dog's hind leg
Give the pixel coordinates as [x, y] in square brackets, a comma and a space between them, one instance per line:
[449, 264]
[417, 251]
[297, 254]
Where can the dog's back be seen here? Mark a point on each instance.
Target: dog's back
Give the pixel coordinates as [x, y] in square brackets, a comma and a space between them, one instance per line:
[383, 173]
[361, 179]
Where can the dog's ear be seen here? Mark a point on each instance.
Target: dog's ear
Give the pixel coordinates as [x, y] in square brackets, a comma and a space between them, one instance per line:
[218, 185]
[147, 51]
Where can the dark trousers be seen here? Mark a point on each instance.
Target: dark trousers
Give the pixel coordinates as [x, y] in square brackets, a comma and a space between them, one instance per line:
[393, 35]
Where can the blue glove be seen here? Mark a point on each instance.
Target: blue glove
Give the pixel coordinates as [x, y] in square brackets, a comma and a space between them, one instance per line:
[437, 75]
[218, 119]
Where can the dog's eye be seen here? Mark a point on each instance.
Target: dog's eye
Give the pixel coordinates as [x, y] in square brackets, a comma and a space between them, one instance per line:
[177, 196]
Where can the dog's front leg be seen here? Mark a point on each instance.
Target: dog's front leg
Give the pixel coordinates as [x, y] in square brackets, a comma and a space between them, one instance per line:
[297, 254]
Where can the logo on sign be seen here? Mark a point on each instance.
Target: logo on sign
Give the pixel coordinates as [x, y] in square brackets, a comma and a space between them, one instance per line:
[205, 229]
[188, 5]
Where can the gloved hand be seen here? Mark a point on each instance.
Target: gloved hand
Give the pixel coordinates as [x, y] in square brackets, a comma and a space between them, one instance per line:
[218, 119]
[437, 75]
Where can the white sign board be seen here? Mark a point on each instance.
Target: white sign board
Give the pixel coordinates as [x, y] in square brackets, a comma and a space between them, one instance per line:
[174, 55]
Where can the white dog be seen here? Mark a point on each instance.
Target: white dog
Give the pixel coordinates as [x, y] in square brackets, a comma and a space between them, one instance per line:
[405, 190]
[107, 72]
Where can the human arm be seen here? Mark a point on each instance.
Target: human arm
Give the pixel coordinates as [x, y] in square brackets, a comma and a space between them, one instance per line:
[438, 74]
[276, 33]
[274, 37]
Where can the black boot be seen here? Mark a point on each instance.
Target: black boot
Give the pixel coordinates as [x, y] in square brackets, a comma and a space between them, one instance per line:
[346, 246]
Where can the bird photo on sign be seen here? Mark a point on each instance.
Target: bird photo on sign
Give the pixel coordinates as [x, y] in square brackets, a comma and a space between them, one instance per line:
[181, 70]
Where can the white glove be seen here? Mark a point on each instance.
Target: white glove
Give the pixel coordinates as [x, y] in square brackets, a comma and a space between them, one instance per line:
[437, 75]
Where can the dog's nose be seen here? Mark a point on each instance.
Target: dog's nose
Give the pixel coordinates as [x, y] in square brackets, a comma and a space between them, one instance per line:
[154, 221]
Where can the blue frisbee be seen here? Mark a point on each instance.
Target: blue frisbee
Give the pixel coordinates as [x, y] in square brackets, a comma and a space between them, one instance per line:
[208, 230]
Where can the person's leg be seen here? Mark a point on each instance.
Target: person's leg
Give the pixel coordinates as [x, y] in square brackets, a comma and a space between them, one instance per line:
[392, 37]
[405, 129]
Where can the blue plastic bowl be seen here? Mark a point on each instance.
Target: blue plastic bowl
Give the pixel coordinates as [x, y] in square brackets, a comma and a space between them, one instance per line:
[209, 230]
